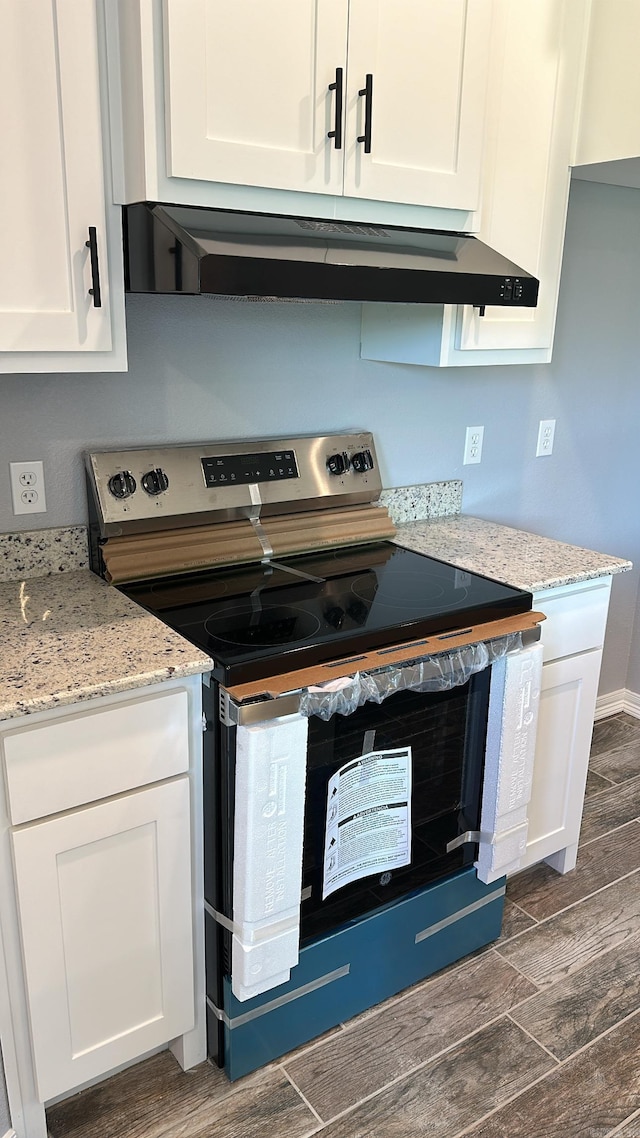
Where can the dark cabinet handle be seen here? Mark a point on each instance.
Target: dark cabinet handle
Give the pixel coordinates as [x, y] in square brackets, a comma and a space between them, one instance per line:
[92, 246]
[336, 133]
[367, 91]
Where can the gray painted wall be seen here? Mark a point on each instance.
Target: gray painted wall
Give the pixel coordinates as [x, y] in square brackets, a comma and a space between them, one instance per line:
[203, 368]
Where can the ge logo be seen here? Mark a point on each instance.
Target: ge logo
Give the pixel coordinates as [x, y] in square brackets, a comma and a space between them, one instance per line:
[269, 809]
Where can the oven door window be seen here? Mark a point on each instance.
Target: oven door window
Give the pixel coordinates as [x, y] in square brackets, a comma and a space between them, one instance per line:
[446, 733]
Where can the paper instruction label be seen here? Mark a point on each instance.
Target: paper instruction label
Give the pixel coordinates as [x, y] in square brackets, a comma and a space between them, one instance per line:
[368, 827]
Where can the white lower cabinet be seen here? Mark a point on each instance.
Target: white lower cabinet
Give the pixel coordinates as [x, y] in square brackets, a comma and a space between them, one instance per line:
[565, 722]
[100, 891]
[572, 638]
[104, 897]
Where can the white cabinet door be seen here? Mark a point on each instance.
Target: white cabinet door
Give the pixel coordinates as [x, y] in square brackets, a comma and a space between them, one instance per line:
[532, 108]
[249, 99]
[428, 66]
[104, 900]
[527, 185]
[610, 115]
[565, 723]
[51, 190]
[247, 91]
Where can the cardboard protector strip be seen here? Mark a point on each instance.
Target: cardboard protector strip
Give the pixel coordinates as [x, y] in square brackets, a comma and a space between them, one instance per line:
[271, 764]
[135, 556]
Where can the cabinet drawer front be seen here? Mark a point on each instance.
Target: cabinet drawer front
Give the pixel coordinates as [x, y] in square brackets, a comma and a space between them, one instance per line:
[575, 621]
[78, 759]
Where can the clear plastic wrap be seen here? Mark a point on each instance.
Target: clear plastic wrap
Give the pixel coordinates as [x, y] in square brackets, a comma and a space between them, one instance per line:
[428, 673]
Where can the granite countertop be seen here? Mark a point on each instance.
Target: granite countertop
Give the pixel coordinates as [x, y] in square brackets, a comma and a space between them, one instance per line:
[513, 556]
[71, 637]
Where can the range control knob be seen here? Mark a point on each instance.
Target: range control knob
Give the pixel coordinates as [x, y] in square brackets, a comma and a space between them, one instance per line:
[122, 484]
[362, 461]
[155, 481]
[337, 463]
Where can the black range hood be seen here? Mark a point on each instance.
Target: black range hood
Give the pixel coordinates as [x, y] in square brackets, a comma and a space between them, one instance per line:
[184, 249]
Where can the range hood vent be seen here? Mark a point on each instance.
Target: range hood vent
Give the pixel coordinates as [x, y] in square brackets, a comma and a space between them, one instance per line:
[180, 249]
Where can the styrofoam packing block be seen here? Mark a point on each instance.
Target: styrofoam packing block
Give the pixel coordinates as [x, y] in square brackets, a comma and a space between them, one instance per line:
[271, 765]
[511, 732]
[507, 847]
[511, 736]
[509, 821]
[502, 855]
[488, 875]
[247, 993]
[268, 957]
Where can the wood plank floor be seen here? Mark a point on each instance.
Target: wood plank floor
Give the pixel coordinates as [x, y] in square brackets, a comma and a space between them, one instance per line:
[537, 1036]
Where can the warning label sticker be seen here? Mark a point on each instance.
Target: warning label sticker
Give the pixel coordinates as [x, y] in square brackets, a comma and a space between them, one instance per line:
[368, 826]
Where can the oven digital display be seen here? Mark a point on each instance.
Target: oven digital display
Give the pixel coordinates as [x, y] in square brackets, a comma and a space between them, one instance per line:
[231, 469]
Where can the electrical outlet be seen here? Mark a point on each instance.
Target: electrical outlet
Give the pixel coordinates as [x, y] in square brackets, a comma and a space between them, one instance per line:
[546, 432]
[27, 487]
[473, 445]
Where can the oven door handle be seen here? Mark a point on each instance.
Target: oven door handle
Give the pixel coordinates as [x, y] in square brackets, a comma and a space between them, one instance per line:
[234, 714]
[294, 682]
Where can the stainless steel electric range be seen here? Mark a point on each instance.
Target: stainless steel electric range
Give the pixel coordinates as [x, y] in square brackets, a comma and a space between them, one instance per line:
[357, 696]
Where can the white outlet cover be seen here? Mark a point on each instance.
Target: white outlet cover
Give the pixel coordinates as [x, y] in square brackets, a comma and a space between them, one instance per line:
[546, 434]
[473, 445]
[27, 487]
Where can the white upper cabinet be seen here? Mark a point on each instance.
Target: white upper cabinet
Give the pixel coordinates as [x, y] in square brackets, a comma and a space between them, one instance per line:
[610, 116]
[55, 294]
[247, 91]
[537, 55]
[426, 65]
[382, 101]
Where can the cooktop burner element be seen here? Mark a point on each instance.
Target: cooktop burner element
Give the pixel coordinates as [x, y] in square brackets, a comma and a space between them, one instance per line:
[257, 620]
[261, 625]
[430, 592]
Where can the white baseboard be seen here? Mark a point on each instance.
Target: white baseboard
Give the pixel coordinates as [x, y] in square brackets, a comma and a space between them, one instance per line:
[632, 703]
[621, 700]
[10, 1134]
[610, 703]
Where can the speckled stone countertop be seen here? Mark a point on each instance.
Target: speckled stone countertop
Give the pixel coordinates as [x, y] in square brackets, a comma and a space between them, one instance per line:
[71, 637]
[39, 553]
[429, 500]
[509, 555]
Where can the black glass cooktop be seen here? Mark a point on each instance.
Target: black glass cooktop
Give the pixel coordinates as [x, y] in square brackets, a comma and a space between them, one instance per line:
[258, 620]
